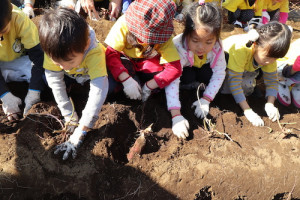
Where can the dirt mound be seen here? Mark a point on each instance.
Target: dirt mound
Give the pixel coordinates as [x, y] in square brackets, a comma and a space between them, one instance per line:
[245, 163]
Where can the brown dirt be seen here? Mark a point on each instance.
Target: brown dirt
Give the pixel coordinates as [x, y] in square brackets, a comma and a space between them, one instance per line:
[257, 164]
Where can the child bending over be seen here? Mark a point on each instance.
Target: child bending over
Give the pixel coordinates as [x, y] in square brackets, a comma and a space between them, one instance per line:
[18, 37]
[72, 53]
[250, 52]
[201, 56]
[140, 50]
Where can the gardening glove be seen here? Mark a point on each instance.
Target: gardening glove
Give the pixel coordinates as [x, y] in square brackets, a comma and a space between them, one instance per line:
[32, 97]
[272, 112]
[202, 109]
[265, 17]
[146, 92]
[10, 105]
[28, 10]
[71, 146]
[71, 123]
[253, 117]
[132, 89]
[238, 24]
[180, 126]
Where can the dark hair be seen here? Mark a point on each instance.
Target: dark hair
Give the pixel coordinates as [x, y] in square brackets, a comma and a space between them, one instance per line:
[208, 14]
[148, 51]
[5, 13]
[62, 32]
[275, 36]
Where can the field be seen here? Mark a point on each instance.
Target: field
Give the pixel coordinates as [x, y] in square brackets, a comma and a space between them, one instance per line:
[258, 163]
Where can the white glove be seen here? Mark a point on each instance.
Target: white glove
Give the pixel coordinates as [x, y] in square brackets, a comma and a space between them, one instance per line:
[202, 110]
[265, 17]
[71, 123]
[29, 11]
[180, 127]
[257, 21]
[238, 24]
[10, 106]
[253, 118]
[71, 145]
[272, 112]
[32, 97]
[146, 92]
[132, 89]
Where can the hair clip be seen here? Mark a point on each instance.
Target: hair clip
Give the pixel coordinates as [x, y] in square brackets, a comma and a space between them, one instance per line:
[201, 2]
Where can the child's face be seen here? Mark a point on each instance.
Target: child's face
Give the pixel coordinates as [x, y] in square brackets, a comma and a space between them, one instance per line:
[260, 56]
[201, 41]
[5, 30]
[75, 60]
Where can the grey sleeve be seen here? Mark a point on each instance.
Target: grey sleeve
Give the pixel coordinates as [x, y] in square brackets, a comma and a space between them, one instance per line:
[57, 84]
[97, 96]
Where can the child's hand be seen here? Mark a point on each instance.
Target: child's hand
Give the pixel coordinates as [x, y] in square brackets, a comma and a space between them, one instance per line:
[71, 123]
[253, 117]
[202, 110]
[146, 92]
[10, 106]
[272, 112]
[132, 89]
[180, 126]
[32, 97]
[71, 146]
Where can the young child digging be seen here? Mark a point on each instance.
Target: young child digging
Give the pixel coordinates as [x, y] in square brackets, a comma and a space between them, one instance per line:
[72, 53]
[201, 55]
[18, 37]
[140, 51]
[259, 49]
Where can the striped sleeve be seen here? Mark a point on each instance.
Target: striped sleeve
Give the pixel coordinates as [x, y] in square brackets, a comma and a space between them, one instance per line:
[235, 85]
[271, 82]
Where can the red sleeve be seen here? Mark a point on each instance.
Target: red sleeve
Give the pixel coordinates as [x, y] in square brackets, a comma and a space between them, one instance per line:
[172, 70]
[113, 62]
[296, 65]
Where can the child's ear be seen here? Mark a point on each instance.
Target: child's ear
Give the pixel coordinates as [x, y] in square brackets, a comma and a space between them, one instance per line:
[87, 44]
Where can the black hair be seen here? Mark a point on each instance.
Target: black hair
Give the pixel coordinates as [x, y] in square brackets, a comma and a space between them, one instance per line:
[62, 32]
[208, 14]
[276, 37]
[5, 13]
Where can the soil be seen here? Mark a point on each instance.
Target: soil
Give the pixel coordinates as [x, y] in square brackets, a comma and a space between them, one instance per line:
[245, 163]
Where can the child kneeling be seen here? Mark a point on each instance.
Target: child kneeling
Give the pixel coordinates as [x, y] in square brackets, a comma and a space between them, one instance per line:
[73, 53]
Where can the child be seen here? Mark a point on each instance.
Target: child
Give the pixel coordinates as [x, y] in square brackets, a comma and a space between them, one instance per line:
[240, 12]
[289, 76]
[275, 10]
[247, 54]
[140, 51]
[19, 35]
[72, 53]
[201, 55]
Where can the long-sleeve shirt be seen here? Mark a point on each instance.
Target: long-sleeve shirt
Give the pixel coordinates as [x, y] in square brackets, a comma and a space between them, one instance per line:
[22, 38]
[116, 40]
[241, 61]
[93, 67]
[216, 58]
